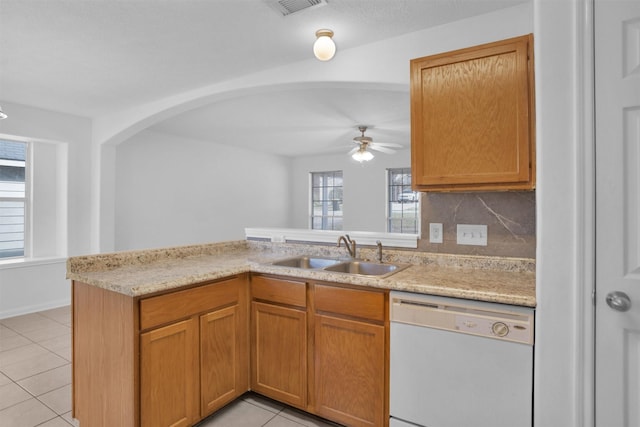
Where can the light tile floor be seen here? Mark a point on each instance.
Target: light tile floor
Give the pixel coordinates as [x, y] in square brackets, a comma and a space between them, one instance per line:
[35, 380]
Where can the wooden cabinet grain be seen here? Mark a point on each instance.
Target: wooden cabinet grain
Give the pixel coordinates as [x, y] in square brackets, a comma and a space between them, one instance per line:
[166, 360]
[169, 375]
[351, 356]
[472, 118]
[279, 339]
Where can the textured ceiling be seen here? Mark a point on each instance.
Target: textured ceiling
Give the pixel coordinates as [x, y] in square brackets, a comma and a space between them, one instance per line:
[96, 57]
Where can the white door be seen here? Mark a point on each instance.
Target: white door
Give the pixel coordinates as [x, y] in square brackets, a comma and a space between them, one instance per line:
[617, 75]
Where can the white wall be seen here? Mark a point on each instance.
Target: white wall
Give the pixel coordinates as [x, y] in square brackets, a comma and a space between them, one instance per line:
[176, 191]
[60, 214]
[364, 189]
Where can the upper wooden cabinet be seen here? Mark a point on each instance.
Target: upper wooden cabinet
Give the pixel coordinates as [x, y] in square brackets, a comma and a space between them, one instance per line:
[472, 118]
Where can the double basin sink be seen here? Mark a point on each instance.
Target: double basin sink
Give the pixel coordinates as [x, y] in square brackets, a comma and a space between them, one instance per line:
[338, 265]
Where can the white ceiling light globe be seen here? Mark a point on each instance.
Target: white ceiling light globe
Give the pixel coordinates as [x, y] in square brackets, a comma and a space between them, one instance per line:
[324, 48]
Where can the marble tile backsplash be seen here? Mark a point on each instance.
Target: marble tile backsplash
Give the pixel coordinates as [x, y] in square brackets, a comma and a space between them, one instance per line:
[510, 218]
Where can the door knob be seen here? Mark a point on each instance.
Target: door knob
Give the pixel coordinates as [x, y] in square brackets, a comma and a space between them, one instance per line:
[619, 301]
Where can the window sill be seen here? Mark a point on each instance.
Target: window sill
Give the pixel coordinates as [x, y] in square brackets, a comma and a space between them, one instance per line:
[29, 262]
[281, 235]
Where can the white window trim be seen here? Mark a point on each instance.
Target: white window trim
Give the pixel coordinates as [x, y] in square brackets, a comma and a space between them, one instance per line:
[27, 242]
[386, 203]
[399, 240]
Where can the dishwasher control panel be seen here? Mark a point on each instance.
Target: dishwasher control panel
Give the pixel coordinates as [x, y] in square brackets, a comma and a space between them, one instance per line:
[491, 320]
[511, 329]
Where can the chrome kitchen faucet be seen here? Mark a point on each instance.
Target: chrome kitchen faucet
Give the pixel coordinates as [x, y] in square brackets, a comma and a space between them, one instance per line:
[349, 244]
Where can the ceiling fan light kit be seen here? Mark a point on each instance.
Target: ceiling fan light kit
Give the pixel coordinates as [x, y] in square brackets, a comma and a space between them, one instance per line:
[361, 154]
[324, 48]
[3, 115]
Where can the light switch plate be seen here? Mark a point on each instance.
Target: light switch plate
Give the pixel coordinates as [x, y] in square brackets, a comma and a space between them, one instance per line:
[472, 234]
[435, 232]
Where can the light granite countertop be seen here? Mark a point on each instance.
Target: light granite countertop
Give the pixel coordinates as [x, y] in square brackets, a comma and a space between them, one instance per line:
[140, 273]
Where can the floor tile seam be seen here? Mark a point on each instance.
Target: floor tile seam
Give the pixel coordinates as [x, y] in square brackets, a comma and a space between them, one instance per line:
[24, 359]
[49, 350]
[59, 416]
[23, 332]
[5, 365]
[17, 403]
[266, 409]
[39, 343]
[26, 400]
[46, 392]
[52, 409]
[18, 346]
[45, 318]
[270, 419]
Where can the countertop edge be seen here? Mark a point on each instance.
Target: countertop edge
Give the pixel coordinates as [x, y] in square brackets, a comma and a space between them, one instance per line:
[150, 273]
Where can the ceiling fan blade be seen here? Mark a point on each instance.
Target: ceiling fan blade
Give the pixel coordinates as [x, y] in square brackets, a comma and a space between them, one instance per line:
[353, 151]
[382, 149]
[387, 144]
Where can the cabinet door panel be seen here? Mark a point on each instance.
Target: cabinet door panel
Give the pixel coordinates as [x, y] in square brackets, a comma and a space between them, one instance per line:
[168, 375]
[220, 358]
[279, 353]
[472, 118]
[350, 371]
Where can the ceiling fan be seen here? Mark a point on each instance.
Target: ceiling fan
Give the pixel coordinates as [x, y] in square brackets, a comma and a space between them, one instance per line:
[360, 153]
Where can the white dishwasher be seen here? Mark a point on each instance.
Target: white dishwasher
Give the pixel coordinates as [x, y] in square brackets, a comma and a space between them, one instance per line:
[459, 363]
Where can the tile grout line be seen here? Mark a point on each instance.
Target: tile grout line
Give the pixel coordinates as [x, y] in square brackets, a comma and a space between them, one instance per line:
[49, 351]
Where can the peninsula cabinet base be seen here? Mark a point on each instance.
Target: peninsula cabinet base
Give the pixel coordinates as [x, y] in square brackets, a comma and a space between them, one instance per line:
[164, 360]
[177, 357]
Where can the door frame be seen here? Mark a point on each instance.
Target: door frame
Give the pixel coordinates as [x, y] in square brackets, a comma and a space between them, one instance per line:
[564, 367]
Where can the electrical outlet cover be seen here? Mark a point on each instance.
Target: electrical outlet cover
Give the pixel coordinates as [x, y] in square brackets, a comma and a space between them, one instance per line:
[435, 232]
[472, 234]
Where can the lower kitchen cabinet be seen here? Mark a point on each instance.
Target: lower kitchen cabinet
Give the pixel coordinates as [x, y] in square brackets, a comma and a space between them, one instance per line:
[187, 384]
[174, 358]
[351, 354]
[279, 340]
[166, 360]
[169, 375]
[224, 358]
[349, 371]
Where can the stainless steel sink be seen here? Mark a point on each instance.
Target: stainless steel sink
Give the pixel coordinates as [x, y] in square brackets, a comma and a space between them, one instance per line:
[307, 262]
[366, 268]
[340, 265]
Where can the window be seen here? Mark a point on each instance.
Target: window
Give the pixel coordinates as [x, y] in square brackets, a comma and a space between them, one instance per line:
[404, 210]
[326, 200]
[12, 198]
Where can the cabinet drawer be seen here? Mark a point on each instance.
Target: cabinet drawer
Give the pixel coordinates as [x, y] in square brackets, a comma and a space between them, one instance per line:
[350, 302]
[281, 291]
[178, 305]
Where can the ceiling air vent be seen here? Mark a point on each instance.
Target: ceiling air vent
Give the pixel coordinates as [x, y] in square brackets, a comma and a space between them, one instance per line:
[287, 7]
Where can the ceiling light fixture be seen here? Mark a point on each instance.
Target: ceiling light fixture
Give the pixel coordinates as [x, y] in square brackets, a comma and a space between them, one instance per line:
[324, 48]
[362, 155]
[3, 115]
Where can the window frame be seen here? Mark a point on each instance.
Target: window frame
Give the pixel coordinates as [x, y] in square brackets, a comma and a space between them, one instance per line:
[25, 199]
[325, 200]
[406, 184]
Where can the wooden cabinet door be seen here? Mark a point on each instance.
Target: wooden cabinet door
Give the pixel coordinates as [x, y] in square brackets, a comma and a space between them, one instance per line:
[279, 353]
[223, 358]
[472, 124]
[169, 378]
[350, 371]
